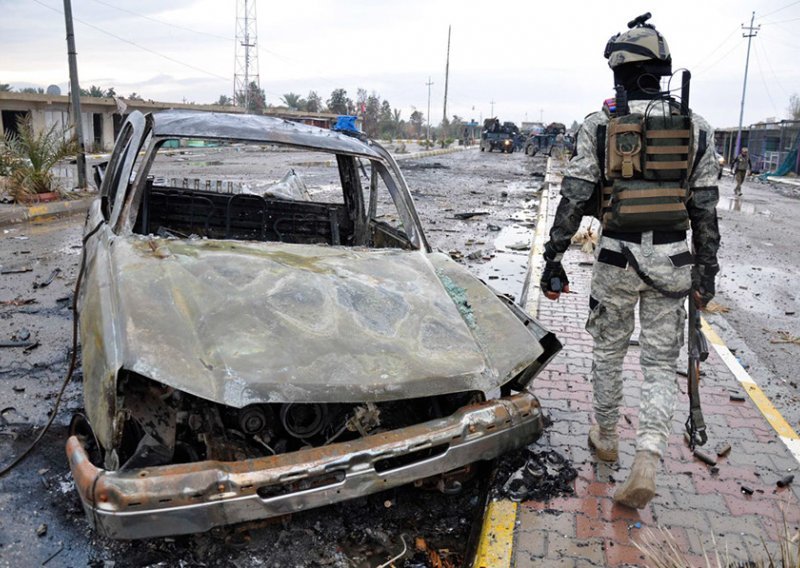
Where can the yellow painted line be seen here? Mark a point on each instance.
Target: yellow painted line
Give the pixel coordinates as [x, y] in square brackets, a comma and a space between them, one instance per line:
[34, 210]
[771, 413]
[496, 542]
[786, 433]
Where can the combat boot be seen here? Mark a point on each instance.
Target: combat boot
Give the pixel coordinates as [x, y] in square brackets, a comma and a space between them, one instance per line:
[640, 487]
[605, 443]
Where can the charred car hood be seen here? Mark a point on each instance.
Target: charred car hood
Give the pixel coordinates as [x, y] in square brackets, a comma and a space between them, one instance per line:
[240, 323]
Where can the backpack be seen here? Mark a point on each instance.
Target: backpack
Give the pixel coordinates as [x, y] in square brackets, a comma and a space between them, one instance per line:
[644, 160]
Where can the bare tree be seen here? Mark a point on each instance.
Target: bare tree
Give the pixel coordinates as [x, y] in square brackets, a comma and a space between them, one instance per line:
[794, 107]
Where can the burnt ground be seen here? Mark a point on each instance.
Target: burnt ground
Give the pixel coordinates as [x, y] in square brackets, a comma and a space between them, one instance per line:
[38, 496]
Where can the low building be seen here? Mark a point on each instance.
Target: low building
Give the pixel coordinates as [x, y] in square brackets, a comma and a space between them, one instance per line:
[771, 143]
[102, 117]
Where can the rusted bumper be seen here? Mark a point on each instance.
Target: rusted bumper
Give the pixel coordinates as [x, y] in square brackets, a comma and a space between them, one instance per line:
[191, 498]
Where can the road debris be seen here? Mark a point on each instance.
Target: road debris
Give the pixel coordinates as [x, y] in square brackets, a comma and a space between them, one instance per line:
[56, 553]
[785, 481]
[23, 344]
[426, 557]
[586, 238]
[18, 302]
[538, 475]
[746, 490]
[41, 530]
[469, 214]
[723, 450]
[18, 270]
[48, 280]
[785, 337]
[735, 397]
[715, 308]
[704, 457]
[519, 246]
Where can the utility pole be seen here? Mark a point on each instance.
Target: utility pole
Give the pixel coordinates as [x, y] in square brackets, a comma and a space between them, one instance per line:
[541, 116]
[75, 94]
[428, 135]
[492, 103]
[446, 74]
[751, 33]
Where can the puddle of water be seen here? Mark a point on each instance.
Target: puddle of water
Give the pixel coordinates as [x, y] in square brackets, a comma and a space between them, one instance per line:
[741, 206]
[528, 189]
[505, 272]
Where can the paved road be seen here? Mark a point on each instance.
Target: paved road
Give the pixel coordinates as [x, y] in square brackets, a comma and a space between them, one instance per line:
[758, 283]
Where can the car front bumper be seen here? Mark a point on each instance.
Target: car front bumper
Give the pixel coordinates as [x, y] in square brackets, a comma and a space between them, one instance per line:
[195, 497]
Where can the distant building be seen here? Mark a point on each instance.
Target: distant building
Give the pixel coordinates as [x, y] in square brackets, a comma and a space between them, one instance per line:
[102, 117]
[770, 144]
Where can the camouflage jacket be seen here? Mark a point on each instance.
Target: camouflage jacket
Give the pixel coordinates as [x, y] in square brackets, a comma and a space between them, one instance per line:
[742, 164]
[581, 186]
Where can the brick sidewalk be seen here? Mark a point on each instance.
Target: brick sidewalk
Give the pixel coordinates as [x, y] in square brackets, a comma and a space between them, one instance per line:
[692, 501]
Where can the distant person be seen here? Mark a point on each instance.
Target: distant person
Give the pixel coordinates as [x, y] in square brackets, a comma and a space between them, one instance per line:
[646, 201]
[741, 168]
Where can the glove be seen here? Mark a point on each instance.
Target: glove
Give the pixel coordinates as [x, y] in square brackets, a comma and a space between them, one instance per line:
[703, 283]
[554, 280]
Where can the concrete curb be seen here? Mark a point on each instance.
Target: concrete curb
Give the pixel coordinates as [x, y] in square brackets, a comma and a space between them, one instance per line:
[429, 153]
[21, 214]
[496, 541]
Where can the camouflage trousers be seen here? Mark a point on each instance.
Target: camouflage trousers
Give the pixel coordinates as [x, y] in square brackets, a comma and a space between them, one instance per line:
[739, 176]
[616, 290]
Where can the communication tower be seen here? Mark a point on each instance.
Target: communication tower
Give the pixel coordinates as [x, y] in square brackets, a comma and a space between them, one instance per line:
[245, 69]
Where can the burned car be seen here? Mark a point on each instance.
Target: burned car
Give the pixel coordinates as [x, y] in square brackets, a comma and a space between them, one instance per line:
[255, 346]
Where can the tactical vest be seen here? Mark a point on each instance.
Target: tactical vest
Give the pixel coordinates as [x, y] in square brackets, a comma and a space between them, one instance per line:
[646, 177]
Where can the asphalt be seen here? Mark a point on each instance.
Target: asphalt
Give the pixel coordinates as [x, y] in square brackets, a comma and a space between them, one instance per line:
[732, 512]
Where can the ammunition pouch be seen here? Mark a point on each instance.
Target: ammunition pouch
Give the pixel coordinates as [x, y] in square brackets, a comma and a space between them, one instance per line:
[624, 153]
[667, 147]
[639, 205]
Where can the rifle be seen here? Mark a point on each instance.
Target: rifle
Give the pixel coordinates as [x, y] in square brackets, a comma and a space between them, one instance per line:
[698, 352]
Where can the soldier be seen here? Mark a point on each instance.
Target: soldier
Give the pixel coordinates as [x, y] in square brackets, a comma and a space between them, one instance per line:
[742, 166]
[647, 169]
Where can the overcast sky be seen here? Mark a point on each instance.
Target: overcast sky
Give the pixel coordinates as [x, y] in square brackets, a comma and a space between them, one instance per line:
[531, 58]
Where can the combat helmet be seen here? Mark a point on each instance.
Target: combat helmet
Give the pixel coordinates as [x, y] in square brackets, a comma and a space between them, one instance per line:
[640, 44]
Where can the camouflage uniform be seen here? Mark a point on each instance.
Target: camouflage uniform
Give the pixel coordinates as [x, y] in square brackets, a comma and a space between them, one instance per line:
[741, 166]
[616, 287]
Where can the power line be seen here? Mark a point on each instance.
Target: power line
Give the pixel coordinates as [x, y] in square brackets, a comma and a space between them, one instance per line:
[781, 9]
[723, 42]
[162, 22]
[143, 48]
[763, 81]
[775, 75]
[779, 22]
[720, 58]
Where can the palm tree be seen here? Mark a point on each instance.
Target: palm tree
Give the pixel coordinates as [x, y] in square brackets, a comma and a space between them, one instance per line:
[293, 101]
[32, 155]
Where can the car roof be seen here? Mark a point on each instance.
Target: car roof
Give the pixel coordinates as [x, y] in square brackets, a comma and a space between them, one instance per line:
[256, 128]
